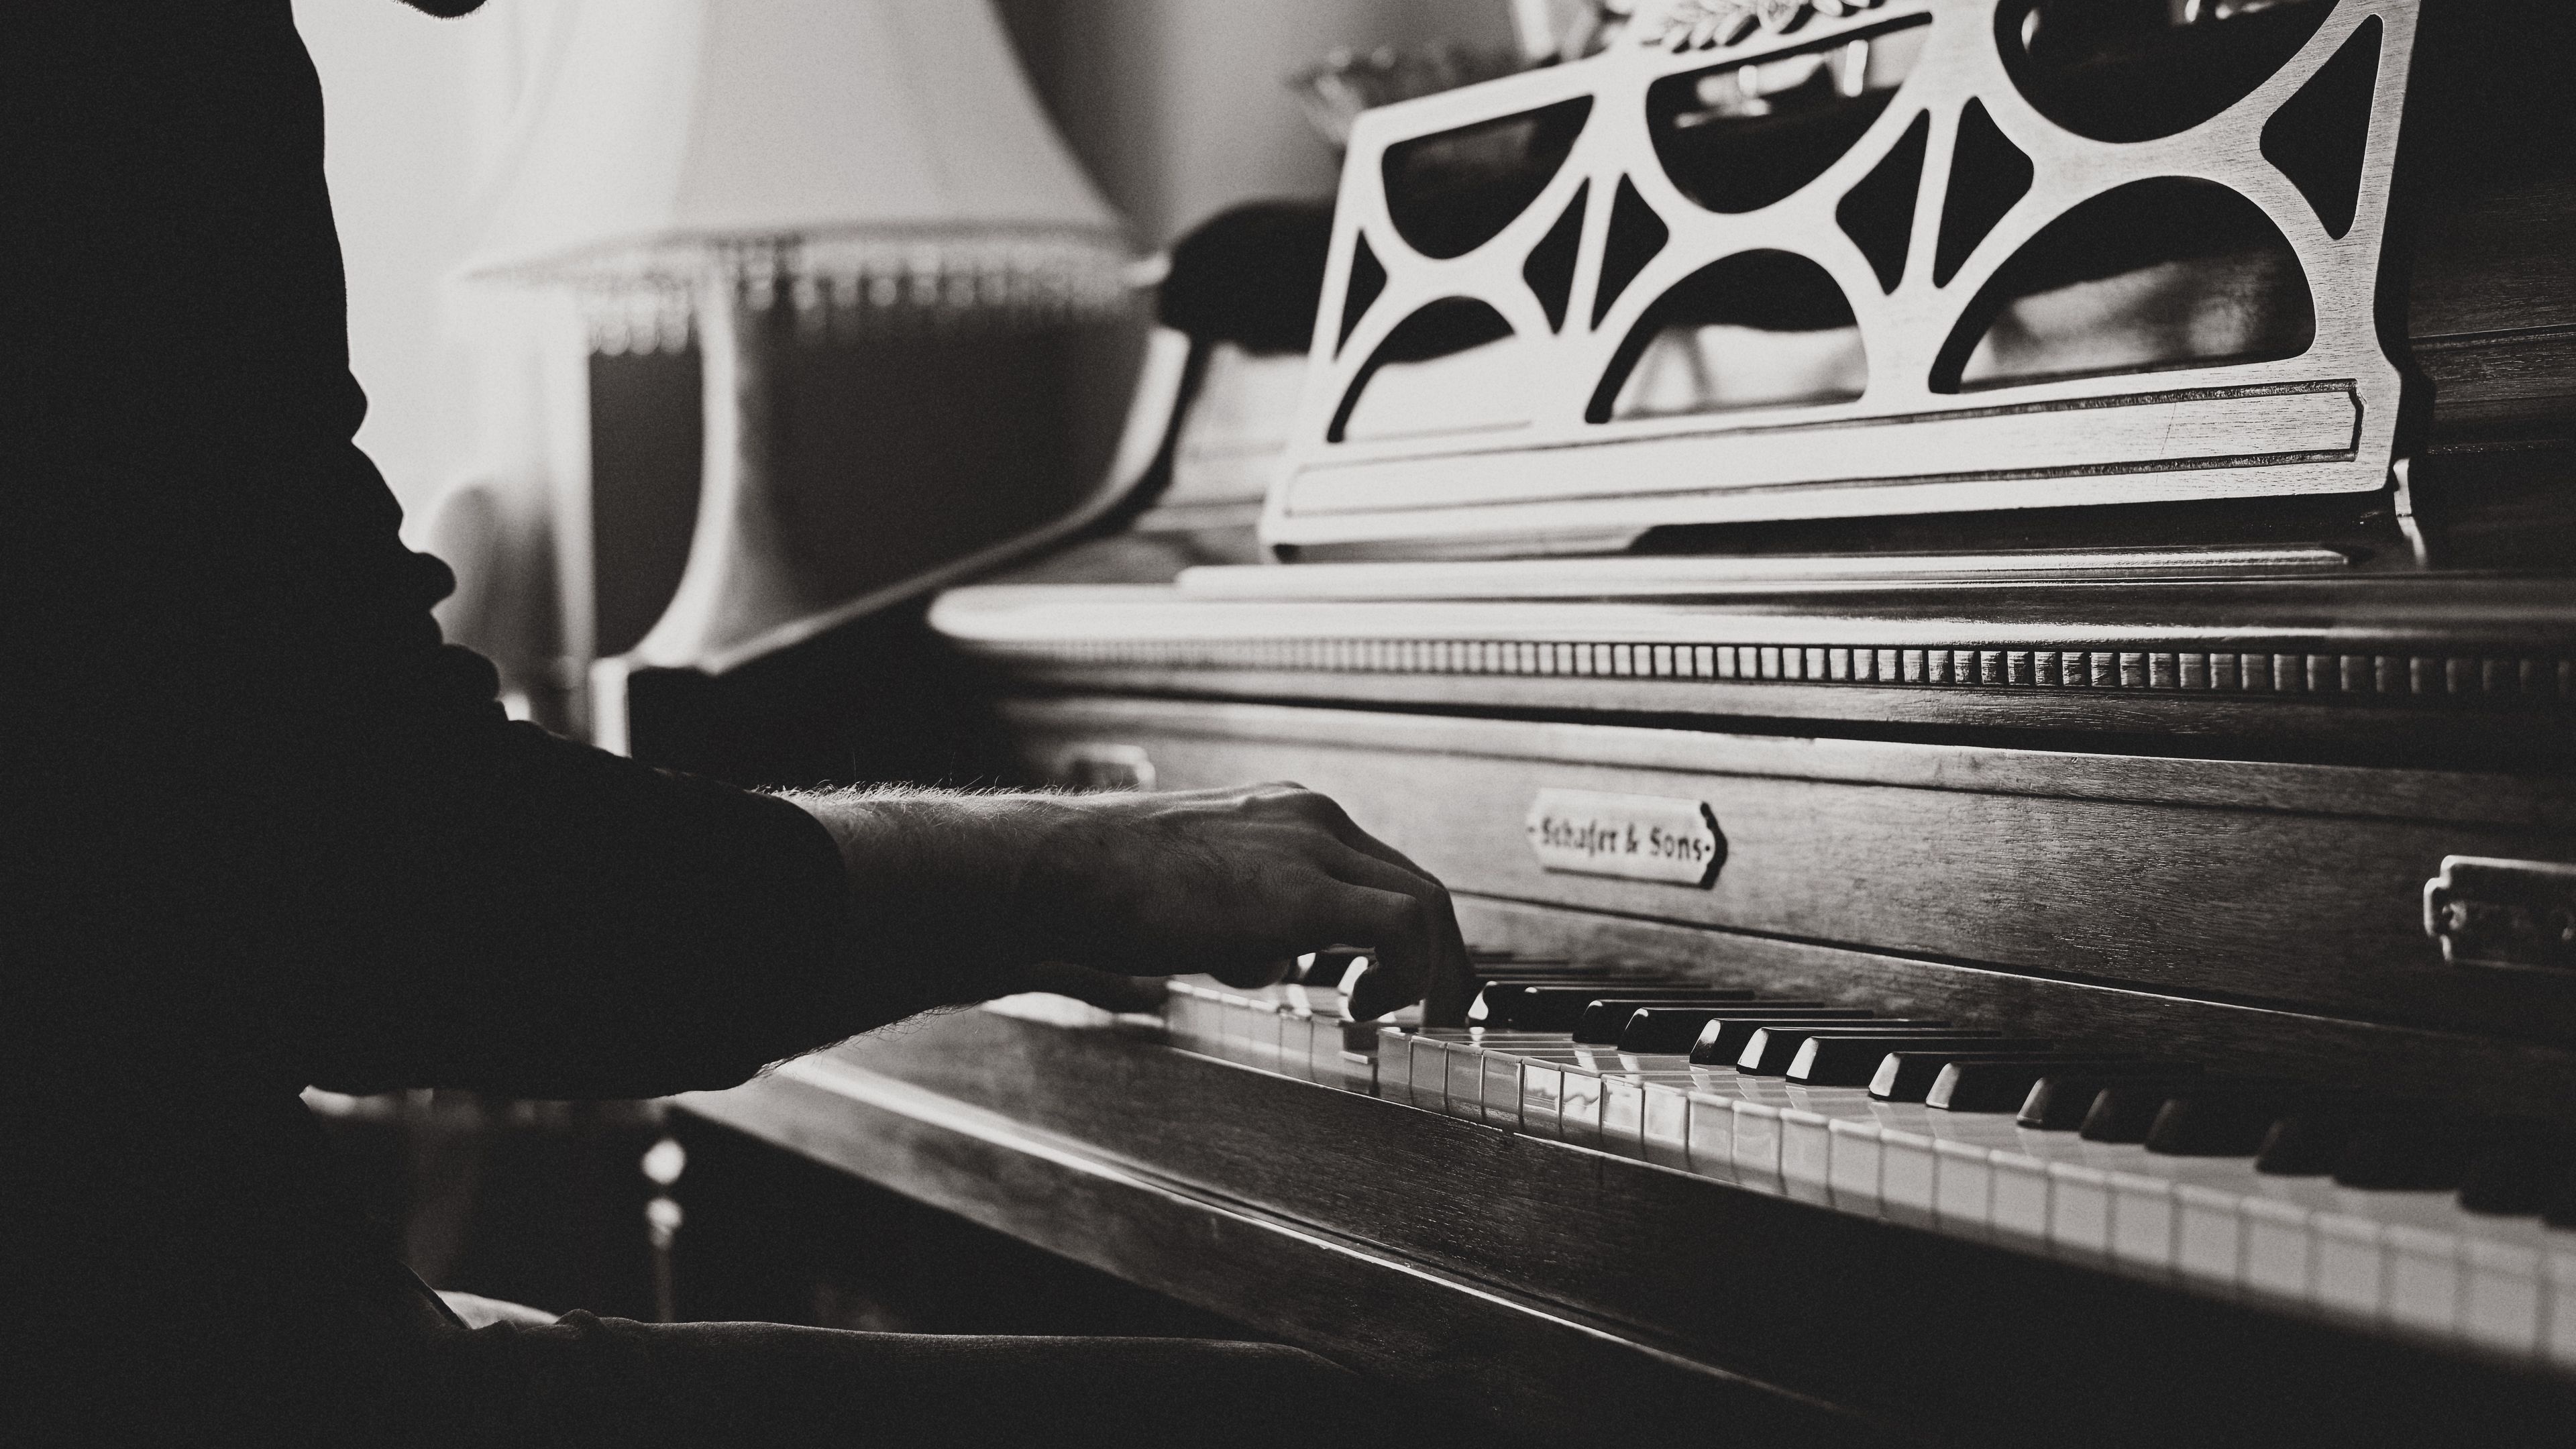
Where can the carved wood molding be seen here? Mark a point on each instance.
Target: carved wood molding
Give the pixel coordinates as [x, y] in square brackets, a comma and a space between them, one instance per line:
[2378, 678]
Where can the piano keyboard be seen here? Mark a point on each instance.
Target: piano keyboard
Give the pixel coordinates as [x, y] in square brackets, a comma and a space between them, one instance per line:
[2380, 1213]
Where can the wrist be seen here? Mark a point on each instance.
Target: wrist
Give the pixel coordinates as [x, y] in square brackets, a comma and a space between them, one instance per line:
[941, 902]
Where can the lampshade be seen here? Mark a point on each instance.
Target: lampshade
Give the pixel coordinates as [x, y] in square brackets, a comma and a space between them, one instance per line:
[756, 172]
[873, 138]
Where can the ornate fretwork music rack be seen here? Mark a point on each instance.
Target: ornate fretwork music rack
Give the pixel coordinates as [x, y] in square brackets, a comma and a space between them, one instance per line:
[1565, 245]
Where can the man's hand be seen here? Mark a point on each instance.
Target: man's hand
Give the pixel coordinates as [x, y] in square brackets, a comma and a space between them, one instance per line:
[1083, 894]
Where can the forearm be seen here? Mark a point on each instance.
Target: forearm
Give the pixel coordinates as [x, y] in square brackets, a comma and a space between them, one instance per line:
[935, 879]
[959, 897]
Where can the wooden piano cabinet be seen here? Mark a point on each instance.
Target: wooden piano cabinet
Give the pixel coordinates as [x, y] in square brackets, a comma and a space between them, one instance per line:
[2256, 882]
[1545, 1290]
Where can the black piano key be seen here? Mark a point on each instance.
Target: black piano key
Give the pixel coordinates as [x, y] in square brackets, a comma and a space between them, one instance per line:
[2307, 1141]
[2060, 1101]
[1560, 1008]
[1904, 1076]
[2409, 1152]
[1850, 1059]
[1495, 995]
[2220, 1119]
[1774, 1045]
[2003, 1084]
[1670, 1030]
[2302, 1144]
[2124, 1111]
[1722, 1037]
[1606, 1017]
[2516, 1169]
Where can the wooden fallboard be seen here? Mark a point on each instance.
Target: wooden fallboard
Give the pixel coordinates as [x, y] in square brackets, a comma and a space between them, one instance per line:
[2289, 885]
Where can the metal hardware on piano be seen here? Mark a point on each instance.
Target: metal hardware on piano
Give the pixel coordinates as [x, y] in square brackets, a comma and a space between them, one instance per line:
[1990, 575]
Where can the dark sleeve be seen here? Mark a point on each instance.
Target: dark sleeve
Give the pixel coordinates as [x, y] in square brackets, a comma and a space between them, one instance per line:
[484, 905]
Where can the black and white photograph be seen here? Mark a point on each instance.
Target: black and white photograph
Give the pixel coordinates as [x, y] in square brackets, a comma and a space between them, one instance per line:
[1774, 724]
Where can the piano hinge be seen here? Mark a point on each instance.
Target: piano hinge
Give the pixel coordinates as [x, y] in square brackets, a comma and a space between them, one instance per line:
[2489, 912]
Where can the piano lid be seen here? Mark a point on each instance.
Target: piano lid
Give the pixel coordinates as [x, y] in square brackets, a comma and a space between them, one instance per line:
[1835, 258]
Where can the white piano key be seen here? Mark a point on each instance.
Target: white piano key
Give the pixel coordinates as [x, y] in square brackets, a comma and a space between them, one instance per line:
[1427, 1078]
[2209, 1236]
[1207, 1013]
[2558, 1340]
[1357, 1060]
[1666, 1127]
[1444, 1082]
[1963, 1186]
[2280, 1248]
[2018, 1209]
[2143, 1222]
[2351, 1265]
[2501, 1290]
[1757, 1145]
[1322, 1039]
[1542, 1093]
[1712, 1135]
[1297, 1045]
[2423, 1277]
[1623, 1108]
[1499, 1058]
[1263, 1035]
[1906, 1177]
[1623, 1114]
[2079, 1210]
[1854, 1156]
[1465, 1088]
[1806, 1147]
[1234, 1036]
[1394, 1079]
[1578, 1106]
[1502, 1091]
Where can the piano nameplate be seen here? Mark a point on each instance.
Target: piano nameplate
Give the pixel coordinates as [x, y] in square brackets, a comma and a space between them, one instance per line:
[1635, 837]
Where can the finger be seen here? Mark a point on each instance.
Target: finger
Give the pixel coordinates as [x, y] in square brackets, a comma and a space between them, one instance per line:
[1401, 926]
[1447, 984]
[1105, 989]
[1251, 974]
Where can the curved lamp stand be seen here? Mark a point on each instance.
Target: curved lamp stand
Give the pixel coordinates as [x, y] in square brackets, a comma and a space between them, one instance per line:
[742, 593]
[742, 579]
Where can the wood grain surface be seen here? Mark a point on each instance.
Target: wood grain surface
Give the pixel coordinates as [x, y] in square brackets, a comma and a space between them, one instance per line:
[2259, 884]
[1199, 1178]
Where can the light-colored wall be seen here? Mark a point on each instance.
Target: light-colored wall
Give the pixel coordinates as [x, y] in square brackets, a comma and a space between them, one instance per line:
[399, 106]
[1180, 107]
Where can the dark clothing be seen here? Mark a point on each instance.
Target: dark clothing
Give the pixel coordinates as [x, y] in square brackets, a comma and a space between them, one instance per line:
[259, 827]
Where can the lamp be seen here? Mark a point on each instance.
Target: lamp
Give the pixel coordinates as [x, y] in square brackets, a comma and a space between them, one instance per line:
[777, 171]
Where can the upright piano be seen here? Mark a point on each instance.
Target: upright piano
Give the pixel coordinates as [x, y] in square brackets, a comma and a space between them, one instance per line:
[1974, 598]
